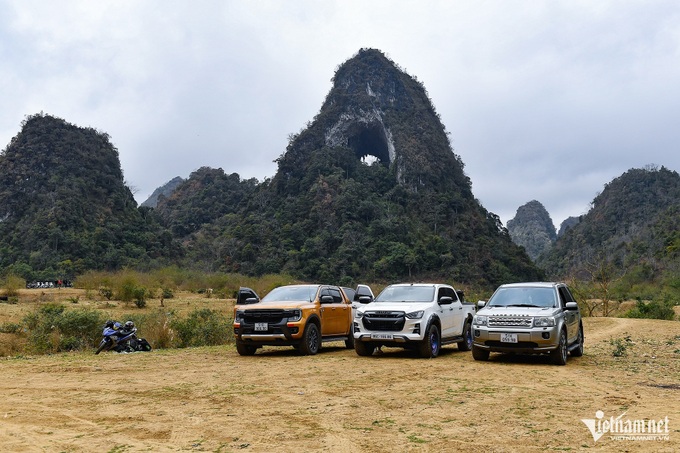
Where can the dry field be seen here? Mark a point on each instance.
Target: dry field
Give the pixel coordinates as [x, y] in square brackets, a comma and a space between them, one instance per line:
[211, 399]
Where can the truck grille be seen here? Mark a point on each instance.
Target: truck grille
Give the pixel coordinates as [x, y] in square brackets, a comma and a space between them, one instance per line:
[385, 321]
[510, 321]
[271, 316]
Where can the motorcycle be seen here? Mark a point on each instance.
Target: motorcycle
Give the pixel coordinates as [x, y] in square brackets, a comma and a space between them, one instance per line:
[121, 338]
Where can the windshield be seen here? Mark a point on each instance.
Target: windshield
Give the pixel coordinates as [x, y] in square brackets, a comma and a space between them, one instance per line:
[406, 294]
[523, 297]
[302, 293]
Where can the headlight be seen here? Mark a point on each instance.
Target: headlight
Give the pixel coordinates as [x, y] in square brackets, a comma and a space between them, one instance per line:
[296, 316]
[415, 314]
[544, 322]
[358, 314]
[480, 320]
[238, 317]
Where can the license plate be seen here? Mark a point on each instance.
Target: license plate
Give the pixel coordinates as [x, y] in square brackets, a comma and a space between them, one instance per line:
[508, 338]
[382, 336]
[261, 327]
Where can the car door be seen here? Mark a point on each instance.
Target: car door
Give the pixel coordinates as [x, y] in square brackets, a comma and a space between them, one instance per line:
[448, 312]
[570, 316]
[335, 311]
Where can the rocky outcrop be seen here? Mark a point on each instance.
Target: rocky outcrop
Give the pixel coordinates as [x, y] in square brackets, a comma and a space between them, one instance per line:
[533, 229]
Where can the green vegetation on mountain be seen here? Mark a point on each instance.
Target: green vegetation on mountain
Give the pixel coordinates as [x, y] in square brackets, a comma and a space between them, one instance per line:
[326, 215]
[533, 229]
[630, 237]
[64, 207]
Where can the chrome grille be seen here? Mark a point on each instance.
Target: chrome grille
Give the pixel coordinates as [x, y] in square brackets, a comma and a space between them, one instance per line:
[510, 321]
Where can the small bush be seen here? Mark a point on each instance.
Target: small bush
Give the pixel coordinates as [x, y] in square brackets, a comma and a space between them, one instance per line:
[139, 295]
[12, 285]
[52, 328]
[106, 293]
[203, 327]
[10, 327]
[652, 310]
[620, 346]
[167, 293]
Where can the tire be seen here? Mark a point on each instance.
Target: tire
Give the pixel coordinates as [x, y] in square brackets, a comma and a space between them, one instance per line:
[559, 355]
[311, 340]
[245, 349]
[364, 348]
[480, 354]
[103, 344]
[431, 345]
[349, 342]
[466, 344]
[578, 351]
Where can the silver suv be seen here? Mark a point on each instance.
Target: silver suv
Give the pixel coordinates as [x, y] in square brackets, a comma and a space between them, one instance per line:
[534, 318]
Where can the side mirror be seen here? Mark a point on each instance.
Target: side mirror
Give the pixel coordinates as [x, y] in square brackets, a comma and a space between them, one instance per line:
[365, 299]
[251, 300]
[445, 300]
[571, 306]
[481, 303]
[326, 299]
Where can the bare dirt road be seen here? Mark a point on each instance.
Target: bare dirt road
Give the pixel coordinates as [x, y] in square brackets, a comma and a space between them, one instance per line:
[211, 399]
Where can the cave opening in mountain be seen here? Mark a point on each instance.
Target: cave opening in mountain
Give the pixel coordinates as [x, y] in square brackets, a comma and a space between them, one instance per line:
[370, 143]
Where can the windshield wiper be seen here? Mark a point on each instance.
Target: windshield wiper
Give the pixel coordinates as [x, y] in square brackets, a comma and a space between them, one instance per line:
[524, 305]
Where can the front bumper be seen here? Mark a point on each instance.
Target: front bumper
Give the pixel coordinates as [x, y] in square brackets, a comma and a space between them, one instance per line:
[535, 340]
[282, 333]
[412, 331]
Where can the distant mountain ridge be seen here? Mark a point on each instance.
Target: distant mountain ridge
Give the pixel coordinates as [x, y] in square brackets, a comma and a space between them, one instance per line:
[533, 229]
[163, 191]
[633, 227]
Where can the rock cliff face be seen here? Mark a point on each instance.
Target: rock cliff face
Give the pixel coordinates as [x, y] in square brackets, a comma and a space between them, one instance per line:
[533, 229]
[375, 109]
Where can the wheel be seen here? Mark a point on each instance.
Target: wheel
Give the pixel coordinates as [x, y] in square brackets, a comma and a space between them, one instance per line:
[578, 351]
[480, 354]
[349, 342]
[245, 349]
[103, 344]
[311, 340]
[466, 344]
[559, 355]
[429, 347]
[364, 348]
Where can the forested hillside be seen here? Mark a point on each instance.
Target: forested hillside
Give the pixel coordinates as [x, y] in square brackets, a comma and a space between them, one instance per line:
[64, 207]
[327, 215]
[632, 232]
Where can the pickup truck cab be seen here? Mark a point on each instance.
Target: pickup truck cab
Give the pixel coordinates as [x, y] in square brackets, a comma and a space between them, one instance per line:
[421, 316]
[302, 316]
[534, 318]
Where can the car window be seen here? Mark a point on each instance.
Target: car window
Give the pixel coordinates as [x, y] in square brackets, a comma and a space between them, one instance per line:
[523, 297]
[337, 297]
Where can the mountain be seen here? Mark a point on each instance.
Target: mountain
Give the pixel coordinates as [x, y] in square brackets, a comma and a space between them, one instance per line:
[632, 228]
[567, 223]
[64, 207]
[532, 228]
[328, 216]
[163, 191]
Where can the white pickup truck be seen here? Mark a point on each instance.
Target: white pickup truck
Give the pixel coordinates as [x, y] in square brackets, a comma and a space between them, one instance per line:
[421, 316]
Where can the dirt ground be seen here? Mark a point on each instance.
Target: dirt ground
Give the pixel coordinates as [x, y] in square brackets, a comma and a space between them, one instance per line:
[211, 399]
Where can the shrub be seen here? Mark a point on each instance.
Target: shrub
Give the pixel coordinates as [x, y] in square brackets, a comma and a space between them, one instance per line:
[139, 295]
[106, 293]
[13, 284]
[52, 328]
[167, 293]
[652, 310]
[10, 327]
[154, 327]
[203, 327]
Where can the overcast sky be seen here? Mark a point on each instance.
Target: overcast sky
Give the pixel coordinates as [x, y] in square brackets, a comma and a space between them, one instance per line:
[544, 100]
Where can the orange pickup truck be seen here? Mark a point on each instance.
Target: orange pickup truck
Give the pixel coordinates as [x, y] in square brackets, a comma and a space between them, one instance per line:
[302, 316]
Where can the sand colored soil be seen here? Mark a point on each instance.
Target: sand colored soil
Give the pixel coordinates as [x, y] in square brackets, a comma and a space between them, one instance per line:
[211, 399]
